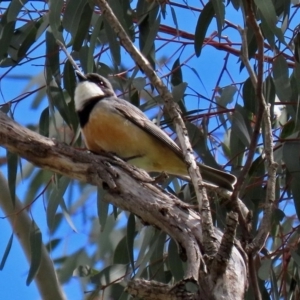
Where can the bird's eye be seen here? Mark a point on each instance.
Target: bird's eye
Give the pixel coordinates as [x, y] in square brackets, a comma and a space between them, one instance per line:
[101, 83]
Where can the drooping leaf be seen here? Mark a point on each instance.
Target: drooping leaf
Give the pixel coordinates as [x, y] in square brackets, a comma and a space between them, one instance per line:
[35, 237]
[6, 252]
[55, 9]
[121, 255]
[249, 96]
[52, 59]
[72, 15]
[281, 78]
[157, 259]
[121, 9]
[227, 94]
[12, 167]
[44, 122]
[139, 83]
[55, 199]
[67, 215]
[219, 8]
[198, 140]
[174, 261]
[109, 275]
[114, 45]
[176, 76]
[83, 26]
[174, 18]
[268, 15]
[93, 42]
[6, 34]
[290, 152]
[239, 126]
[102, 208]
[14, 8]
[264, 270]
[131, 232]
[204, 21]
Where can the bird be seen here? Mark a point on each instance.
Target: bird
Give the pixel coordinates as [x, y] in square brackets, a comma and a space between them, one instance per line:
[114, 125]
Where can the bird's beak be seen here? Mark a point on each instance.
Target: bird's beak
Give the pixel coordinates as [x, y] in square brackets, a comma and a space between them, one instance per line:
[80, 76]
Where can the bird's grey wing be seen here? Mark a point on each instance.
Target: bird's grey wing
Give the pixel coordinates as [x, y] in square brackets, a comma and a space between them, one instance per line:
[136, 116]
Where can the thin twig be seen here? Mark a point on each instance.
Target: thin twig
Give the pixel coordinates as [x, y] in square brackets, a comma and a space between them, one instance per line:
[70, 58]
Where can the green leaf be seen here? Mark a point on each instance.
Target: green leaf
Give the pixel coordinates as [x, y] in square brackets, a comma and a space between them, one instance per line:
[204, 21]
[149, 40]
[227, 94]
[57, 98]
[270, 93]
[268, 11]
[178, 91]
[70, 85]
[72, 15]
[296, 258]
[219, 8]
[55, 199]
[268, 16]
[55, 9]
[157, 259]
[174, 261]
[174, 18]
[53, 244]
[176, 75]
[290, 152]
[102, 208]
[109, 275]
[44, 122]
[148, 23]
[199, 142]
[264, 270]
[281, 78]
[93, 42]
[120, 255]
[122, 9]
[236, 4]
[249, 96]
[83, 27]
[67, 215]
[23, 38]
[288, 129]
[139, 83]
[14, 9]
[6, 252]
[6, 34]
[274, 286]
[52, 59]
[12, 166]
[114, 45]
[240, 128]
[35, 236]
[130, 238]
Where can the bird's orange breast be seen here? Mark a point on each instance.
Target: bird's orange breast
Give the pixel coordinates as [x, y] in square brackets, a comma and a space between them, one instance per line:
[111, 132]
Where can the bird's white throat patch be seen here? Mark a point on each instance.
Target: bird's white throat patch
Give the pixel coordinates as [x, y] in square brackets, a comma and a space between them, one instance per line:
[85, 91]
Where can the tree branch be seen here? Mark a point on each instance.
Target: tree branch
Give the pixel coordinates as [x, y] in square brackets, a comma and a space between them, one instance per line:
[152, 204]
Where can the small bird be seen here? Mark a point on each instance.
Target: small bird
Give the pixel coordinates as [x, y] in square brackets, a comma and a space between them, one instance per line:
[111, 124]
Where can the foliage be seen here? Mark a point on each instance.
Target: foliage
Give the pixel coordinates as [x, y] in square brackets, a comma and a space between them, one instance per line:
[196, 49]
